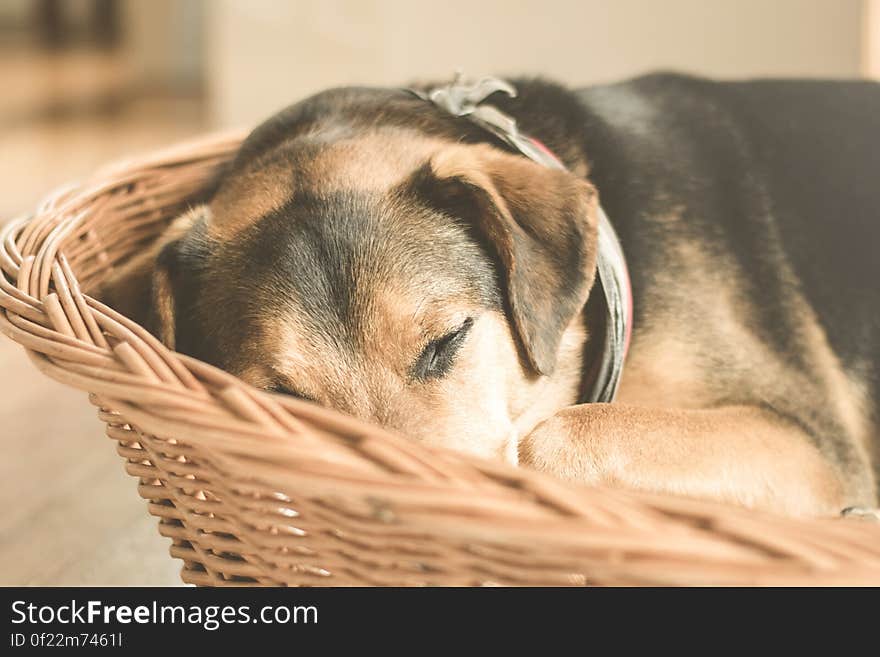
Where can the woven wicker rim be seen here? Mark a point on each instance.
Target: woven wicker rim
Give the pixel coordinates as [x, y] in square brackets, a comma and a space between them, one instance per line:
[256, 488]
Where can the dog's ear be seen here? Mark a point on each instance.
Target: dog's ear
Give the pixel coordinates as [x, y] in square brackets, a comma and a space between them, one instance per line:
[144, 289]
[541, 224]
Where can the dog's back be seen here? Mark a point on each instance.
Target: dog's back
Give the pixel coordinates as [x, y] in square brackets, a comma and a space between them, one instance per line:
[774, 183]
[817, 144]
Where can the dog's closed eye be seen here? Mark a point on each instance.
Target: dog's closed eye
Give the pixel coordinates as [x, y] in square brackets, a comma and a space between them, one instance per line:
[286, 390]
[438, 356]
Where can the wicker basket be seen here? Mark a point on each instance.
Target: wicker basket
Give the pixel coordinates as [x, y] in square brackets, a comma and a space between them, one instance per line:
[254, 488]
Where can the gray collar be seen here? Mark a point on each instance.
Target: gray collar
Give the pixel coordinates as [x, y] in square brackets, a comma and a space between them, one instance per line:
[463, 99]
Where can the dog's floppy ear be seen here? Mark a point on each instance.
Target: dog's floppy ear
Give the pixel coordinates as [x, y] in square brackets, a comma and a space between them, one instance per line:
[541, 224]
[144, 288]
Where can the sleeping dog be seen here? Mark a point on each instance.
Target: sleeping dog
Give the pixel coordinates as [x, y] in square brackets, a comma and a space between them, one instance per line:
[376, 254]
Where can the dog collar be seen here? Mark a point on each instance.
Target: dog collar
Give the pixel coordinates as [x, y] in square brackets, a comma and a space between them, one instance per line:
[462, 99]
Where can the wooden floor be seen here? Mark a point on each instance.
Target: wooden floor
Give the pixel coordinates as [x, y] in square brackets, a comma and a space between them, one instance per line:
[70, 515]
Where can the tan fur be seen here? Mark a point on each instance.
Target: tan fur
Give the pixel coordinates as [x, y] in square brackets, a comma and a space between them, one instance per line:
[342, 164]
[163, 306]
[352, 163]
[844, 394]
[734, 454]
[536, 398]
[520, 179]
[263, 187]
[661, 372]
[484, 406]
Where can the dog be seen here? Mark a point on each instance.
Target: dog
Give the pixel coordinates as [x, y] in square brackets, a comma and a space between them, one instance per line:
[372, 253]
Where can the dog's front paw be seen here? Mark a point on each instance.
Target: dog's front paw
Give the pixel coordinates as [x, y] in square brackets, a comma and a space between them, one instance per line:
[560, 447]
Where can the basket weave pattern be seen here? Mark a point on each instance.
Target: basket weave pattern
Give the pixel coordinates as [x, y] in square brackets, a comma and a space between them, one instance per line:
[255, 488]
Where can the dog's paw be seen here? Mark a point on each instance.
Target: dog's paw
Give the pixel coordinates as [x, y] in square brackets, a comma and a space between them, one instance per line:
[861, 513]
[558, 446]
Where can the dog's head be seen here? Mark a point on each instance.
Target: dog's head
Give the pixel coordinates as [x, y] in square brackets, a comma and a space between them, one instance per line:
[403, 277]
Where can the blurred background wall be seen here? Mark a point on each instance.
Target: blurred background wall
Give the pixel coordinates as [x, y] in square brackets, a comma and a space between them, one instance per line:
[263, 53]
[96, 78]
